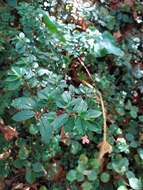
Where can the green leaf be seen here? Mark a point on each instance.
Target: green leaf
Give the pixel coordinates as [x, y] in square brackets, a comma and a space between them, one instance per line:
[87, 186]
[14, 85]
[71, 176]
[33, 129]
[23, 115]
[105, 177]
[46, 129]
[17, 71]
[83, 159]
[79, 177]
[23, 153]
[120, 165]
[81, 167]
[135, 183]
[130, 137]
[43, 188]
[122, 187]
[140, 151]
[92, 176]
[95, 127]
[12, 3]
[60, 120]
[80, 125]
[23, 103]
[92, 114]
[94, 163]
[37, 167]
[49, 24]
[109, 44]
[75, 147]
[66, 96]
[30, 176]
[134, 111]
[81, 106]
[18, 163]
[4, 169]
[48, 93]
[52, 27]
[141, 118]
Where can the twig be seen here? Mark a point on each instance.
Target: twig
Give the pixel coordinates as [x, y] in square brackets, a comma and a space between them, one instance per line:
[104, 117]
[101, 100]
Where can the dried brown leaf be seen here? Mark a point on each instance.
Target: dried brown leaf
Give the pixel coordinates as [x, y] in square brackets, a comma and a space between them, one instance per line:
[8, 131]
[64, 136]
[105, 148]
[5, 155]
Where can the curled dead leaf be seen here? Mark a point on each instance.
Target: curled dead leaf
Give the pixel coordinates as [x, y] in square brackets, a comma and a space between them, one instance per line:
[8, 131]
[17, 186]
[105, 148]
[5, 155]
[64, 136]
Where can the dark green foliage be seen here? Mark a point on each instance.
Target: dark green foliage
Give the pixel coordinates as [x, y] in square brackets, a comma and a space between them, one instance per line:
[45, 62]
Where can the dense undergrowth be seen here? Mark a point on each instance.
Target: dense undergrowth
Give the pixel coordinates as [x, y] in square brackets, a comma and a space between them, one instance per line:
[71, 88]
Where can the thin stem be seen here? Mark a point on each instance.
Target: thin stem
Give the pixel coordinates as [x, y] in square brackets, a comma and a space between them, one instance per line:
[101, 101]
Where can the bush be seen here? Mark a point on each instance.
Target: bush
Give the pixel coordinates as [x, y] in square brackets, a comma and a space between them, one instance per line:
[71, 95]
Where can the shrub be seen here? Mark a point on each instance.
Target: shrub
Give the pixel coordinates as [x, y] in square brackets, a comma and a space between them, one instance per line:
[71, 86]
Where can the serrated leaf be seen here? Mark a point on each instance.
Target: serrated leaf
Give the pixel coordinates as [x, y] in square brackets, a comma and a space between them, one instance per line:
[81, 106]
[66, 96]
[23, 103]
[23, 115]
